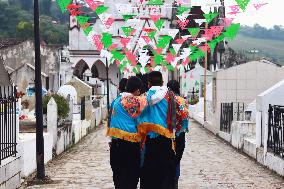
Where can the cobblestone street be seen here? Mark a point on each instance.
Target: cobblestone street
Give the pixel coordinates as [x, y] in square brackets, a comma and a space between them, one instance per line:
[208, 162]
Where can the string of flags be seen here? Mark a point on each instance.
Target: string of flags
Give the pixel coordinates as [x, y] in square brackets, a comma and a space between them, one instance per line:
[127, 32]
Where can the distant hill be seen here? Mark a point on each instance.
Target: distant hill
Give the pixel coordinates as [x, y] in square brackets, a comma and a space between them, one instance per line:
[270, 48]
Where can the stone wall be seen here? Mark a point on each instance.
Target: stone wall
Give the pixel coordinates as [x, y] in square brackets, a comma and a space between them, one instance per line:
[23, 53]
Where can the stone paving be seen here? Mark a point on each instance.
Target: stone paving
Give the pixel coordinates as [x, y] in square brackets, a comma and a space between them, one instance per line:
[208, 163]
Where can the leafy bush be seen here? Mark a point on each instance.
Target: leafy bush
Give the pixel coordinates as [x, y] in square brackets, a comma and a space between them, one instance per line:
[62, 105]
[193, 101]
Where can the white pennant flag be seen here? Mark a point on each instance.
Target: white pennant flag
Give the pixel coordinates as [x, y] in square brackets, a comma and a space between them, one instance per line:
[172, 32]
[182, 17]
[199, 21]
[176, 47]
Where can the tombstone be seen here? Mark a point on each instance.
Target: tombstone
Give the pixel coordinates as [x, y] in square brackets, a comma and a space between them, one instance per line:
[52, 119]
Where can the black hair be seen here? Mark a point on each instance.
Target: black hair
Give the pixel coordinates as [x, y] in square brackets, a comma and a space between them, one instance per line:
[155, 78]
[133, 84]
[174, 86]
[122, 85]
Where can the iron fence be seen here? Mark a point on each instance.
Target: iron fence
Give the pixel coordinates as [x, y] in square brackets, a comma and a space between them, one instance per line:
[275, 142]
[8, 116]
[230, 112]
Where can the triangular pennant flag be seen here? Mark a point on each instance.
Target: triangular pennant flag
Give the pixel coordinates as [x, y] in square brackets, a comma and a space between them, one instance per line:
[186, 61]
[127, 30]
[97, 42]
[155, 2]
[182, 17]
[107, 39]
[109, 22]
[176, 47]
[93, 4]
[193, 31]
[146, 39]
[182, 24]
[101, 9]
[243, 4]
[131, 58]
[185, 37]
[217, 30]
[172, 32]
[63, 4]
[152, 34]
[180, 40]
[232, 31]
[203, 48]
[228, 21]
[159, 23]
[124, 41]
[128, 16]
[199, 21]
[209, 17]
[155, 18]
[181, 9]
[163, 41]
[82, 20]
[170, 58]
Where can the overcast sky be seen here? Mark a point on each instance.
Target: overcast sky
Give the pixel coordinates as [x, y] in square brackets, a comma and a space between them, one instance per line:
[268, 15]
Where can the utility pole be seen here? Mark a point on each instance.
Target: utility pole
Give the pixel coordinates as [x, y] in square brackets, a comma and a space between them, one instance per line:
[108, 101]
[205, 75]
[38, 93]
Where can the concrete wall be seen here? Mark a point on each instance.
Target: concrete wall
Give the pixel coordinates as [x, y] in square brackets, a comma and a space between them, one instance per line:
[10, 177]
[27, 151]
[242, 83]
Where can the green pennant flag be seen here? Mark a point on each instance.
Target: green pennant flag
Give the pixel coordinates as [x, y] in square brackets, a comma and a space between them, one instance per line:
[155, 2]
[146, 69]
[128, 16]
[163, 41]
[212, 44]
[181, 10]
[63, 4]
[159, 23]
[88, 30]
[209, 17]
[101, 9]
[232, 31]
[127, 30]
[170, 67]
[196, 83]
[172, 51]
[200, 53]
[152, 34]
[158, 59]
[117, 55]
[107, 39]
[122, 66]
[243, 4]
[193, 31]
[220, 38]
[192, 48]
[82, 20]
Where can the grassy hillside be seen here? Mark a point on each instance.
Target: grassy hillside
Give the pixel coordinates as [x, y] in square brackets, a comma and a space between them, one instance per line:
[272, 49]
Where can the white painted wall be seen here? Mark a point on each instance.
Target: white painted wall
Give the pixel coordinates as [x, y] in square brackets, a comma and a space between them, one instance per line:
[27, 151]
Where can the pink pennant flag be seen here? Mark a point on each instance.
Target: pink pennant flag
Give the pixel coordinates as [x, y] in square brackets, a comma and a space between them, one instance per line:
[124, 41]
[170, 58]
[131, 57]
[146, 39]
[180, 2]
[97, 42]
[186, 61]
[180, 41]
[182, 24]
[117, 62]
[203, 48]
[228, 21]
[113, 46]
[259, 5]
[155, 18]
[208, 35]
[217, 30]
[235, 10]
[93, 4]
[158, 50]
[133, 32]
[109, 22]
